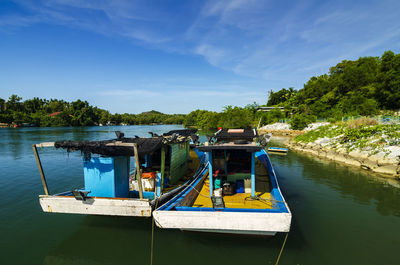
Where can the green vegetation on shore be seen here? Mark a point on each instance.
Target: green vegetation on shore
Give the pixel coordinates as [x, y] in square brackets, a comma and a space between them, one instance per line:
[367, 86]
[44, 113]
[230, 117]
[362, 134]
[361, 87]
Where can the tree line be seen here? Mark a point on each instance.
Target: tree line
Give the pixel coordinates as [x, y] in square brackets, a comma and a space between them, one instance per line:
[362, 87]
[54, 112]
[366, 86]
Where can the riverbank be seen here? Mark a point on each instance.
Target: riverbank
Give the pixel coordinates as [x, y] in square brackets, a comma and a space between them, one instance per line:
[375, 148]
[283, 129]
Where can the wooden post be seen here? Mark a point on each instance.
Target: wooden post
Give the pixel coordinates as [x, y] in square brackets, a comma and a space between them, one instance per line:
[210, 174]
[253, 176]
[259, 123]
[162, 166]
[46, 190]
[225, 164]
[158, 185]
[139, 174]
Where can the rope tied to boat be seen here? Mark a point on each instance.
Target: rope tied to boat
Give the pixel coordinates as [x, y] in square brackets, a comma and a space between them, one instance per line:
[265, 200]
[283, 246]
[152, 236]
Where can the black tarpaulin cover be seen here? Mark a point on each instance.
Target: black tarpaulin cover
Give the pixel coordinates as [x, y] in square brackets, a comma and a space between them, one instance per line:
[182, 132]
[235, 134]
[145, 146]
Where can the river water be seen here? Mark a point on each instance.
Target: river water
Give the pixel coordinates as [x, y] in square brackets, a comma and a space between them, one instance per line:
[341, 215]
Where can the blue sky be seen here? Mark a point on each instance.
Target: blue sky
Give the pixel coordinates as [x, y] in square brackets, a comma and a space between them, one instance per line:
[178, 56]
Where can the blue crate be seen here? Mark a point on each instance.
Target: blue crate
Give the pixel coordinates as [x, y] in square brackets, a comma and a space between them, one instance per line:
[107, 176]
[240, 186]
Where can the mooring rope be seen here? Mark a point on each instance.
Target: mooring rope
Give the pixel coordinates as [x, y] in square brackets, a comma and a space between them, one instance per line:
[283, 246]
[152, 235]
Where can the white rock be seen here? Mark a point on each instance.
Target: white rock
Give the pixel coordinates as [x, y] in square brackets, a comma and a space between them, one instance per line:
[315, 125]
[323, 141]
[276, 126]
[394, 151]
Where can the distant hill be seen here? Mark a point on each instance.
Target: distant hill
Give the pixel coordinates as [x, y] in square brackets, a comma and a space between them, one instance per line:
[151, 112]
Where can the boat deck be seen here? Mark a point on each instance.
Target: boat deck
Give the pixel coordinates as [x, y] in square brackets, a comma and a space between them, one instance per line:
[238, 200]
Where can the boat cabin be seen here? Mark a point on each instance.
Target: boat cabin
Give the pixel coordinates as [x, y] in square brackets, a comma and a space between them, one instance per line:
[124, 176]
[238, 177]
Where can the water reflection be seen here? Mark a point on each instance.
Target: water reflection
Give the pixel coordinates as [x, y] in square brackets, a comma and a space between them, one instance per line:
[123, 240]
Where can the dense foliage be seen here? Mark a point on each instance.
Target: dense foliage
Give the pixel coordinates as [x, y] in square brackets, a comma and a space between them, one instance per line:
[42, 112]
[361, 87]
[230, 117]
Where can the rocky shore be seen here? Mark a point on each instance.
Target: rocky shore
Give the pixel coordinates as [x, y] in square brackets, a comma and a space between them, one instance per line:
[281, 132]
[379, 163]
[283, 129]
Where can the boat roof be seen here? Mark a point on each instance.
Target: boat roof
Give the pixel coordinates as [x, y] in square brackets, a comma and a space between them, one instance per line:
[182, 132]
[227, 135]
[145, 146]
[116, 147]
[249, 147]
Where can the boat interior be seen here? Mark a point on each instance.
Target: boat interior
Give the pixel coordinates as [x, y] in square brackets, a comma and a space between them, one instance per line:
[180, 163]
[232, 177]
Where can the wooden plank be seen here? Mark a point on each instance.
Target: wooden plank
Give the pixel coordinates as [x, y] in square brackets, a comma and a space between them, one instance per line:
[119, 143]
[192, 195]
[210, 173]
[42, 176]
[139, 174]
[162, 166]
[45, 144]
[242, 222]
[108, 198]
[105, 206]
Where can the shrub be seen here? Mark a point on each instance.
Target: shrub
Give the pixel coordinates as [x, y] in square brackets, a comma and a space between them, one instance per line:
[360, 122]
[300, 121]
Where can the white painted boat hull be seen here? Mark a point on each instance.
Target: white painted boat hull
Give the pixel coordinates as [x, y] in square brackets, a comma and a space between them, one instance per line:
[95, 206]
[249, 223]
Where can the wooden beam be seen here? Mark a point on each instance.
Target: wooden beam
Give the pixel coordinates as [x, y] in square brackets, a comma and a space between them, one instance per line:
[210, 174]
[162, 166]
[46, 144]
[139, 174]
[46, 190]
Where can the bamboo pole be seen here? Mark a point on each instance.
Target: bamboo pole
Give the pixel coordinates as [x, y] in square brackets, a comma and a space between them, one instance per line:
[139, 174]
[46, 190]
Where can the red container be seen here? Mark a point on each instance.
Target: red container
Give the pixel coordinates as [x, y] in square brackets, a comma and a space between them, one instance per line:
[149, 175]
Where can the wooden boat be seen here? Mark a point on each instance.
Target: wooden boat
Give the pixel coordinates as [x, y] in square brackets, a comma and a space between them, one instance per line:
[164, 165]
[255, 206]
[277, 150]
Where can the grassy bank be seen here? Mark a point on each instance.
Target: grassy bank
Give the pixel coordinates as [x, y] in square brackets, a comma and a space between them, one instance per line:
[363, 135]
[363, 143]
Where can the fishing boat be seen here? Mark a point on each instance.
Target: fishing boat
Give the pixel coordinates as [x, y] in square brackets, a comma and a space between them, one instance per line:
[238, 194]
[163, 166]
[277, 150]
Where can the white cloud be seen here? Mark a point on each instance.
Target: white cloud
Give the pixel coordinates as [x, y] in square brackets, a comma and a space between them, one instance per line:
[265, 40]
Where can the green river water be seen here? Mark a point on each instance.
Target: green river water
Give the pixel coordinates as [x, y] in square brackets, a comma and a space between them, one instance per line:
[341, 215]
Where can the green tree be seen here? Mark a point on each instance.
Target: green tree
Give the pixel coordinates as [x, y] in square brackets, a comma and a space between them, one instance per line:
[14, 103]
